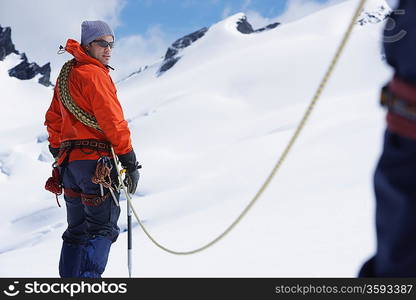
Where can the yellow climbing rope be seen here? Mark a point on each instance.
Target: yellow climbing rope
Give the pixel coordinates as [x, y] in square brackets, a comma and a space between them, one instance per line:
[282, 158]
[65, 96]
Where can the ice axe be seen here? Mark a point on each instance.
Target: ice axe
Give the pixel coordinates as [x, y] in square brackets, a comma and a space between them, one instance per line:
[120, 174]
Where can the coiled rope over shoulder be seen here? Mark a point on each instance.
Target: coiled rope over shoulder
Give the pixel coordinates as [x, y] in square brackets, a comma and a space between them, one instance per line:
[63, 90]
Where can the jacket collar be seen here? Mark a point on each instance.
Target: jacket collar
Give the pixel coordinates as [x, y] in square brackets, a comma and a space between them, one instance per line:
[81, 56]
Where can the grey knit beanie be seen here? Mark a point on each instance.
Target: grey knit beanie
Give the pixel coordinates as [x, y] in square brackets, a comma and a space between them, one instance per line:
[90, 30]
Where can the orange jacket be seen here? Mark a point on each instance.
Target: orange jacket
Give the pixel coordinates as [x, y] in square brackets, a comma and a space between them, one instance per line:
[93, 90]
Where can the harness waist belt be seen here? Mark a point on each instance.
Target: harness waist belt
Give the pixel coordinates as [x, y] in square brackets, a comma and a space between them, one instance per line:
[87, 199]
[397, 105]
[89, 144]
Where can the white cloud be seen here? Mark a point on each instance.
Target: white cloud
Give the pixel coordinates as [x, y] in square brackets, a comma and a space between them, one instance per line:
[39, 27]
[226, 12]
[297, 9]
[257, 20]
[136, 51]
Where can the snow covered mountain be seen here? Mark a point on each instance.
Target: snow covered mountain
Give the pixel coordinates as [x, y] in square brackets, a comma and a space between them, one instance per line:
[173, 53]
[172, 57]
[207, 133]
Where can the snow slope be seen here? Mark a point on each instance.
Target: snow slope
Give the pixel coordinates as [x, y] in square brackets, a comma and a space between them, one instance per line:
[208, 133]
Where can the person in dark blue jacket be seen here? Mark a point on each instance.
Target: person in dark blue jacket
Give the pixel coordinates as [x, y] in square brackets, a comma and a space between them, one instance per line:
[395, 175]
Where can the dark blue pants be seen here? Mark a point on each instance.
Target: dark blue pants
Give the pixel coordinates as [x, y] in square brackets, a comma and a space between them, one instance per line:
[91, 229]
[395, 191]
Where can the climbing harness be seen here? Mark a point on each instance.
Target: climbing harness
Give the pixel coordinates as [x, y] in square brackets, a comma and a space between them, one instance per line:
[90, 144]
[54, 183]
[397, 105]
[87, 199]
[102, 176]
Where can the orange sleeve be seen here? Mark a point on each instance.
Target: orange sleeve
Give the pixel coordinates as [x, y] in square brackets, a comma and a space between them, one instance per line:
[53, 121]
[101, 92]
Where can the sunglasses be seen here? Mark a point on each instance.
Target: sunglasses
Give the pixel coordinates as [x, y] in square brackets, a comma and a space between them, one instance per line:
[103, 43]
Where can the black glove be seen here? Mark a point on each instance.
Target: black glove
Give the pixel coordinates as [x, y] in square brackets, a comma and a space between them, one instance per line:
[129, 162]
[131, 180]
[54, 151]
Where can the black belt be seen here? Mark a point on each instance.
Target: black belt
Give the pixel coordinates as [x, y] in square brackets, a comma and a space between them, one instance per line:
[88, 144]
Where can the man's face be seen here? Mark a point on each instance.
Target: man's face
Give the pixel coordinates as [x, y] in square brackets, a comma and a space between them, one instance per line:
[102, 54]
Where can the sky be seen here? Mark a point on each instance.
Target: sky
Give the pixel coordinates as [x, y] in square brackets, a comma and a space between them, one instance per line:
[178, 18]
[144, 29]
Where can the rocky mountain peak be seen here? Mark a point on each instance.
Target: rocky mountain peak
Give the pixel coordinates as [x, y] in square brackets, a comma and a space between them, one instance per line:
[6, 45]
[24, 70]
[245, 27]
[171, 57]
[374, 16]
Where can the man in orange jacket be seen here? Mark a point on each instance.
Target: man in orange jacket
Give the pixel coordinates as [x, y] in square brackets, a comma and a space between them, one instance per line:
[92, 209]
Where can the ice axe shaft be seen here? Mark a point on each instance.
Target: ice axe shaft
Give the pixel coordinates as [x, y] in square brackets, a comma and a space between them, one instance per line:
[129, 239]
[129, 232]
